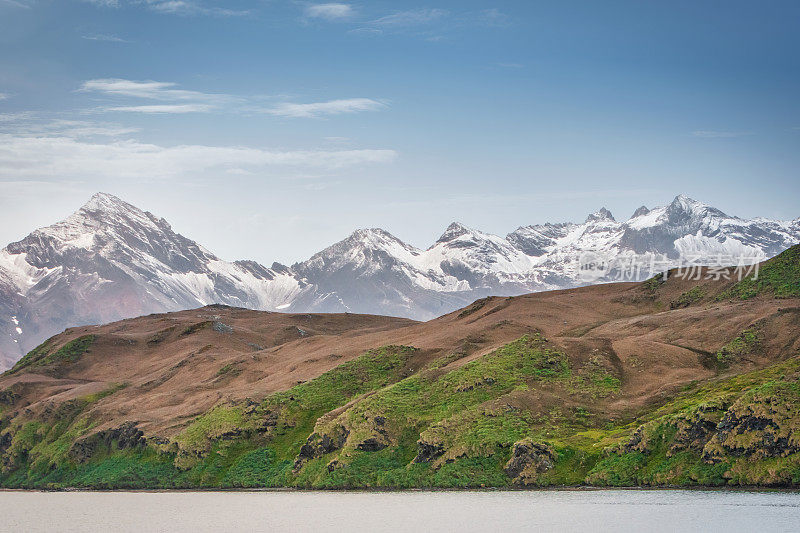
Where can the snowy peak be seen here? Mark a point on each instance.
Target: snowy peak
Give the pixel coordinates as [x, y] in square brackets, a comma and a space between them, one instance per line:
[364, 250]
[453, 232]
[641, 211]
[108, 203]
[684, 209]
[602, 215]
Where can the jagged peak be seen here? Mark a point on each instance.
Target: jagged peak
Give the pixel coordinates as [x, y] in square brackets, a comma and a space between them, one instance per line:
[371, 232]
[102, 201]
[454, 231]
[685, 204]
[363, 238]
[602, 214]
[641, 211]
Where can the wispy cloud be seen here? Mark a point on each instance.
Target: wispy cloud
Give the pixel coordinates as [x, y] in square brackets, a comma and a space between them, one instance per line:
[713, 134]
[3, 96]
[413, 17]
[163, 108]
[319, 109]
[330, 11]
[431, 23]
[58, 157]
[15, 3]
[175, 7]
[172, 99]
[178, 100]
[104, 37]
[32, 124]
[155, 90]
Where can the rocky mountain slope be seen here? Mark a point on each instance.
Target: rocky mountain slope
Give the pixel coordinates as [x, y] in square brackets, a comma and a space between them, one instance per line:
[671, 381]
[111, 260]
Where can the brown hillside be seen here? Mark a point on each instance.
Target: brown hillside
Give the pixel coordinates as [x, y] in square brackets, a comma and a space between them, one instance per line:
[655, 337]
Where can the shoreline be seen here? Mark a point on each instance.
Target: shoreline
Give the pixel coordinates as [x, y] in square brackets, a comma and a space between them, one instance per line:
[744, 489]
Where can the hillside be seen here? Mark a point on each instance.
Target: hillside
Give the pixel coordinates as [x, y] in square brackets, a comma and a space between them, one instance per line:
[111, 260]
[664, 382]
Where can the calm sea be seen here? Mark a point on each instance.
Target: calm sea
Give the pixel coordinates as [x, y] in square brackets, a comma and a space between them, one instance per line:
[601, 510]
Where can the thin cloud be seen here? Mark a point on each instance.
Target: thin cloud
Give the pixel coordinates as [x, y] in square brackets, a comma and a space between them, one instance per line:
[711, 134]
[14, 3]
[174, 7]
[333, 107]
[432, 23]
[3, 96]
[54, 157]
[330, 11]
[36, 125]
[163, 108]
[175, 100]
[154, 90]
[413, 17]
[104, 37]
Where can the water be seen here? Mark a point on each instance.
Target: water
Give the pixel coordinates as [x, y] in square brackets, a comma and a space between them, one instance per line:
[604, 510]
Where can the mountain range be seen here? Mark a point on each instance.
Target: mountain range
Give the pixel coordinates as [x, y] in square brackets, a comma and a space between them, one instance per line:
[110, 260]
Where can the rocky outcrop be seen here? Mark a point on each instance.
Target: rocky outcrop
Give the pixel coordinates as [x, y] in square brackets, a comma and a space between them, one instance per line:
[762, 426]
[428, 451]
[125, 436]
[695, 430]
[319, 444]
[8, 397]
[528, 460]
[377, 437]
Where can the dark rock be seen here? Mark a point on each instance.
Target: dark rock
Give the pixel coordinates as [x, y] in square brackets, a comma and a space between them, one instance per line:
[371, 444]
[318, 445]
[428, 451]
[528, 459]
[125, 436]
[8, 397]
[695, 430]
[761, 428]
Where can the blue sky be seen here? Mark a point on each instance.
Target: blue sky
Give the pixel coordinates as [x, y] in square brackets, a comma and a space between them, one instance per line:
[269, 129]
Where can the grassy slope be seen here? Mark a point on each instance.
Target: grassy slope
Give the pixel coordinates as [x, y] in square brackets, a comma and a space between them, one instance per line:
[778, 277]
[464, 412]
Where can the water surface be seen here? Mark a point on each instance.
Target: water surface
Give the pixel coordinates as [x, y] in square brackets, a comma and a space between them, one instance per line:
[602, 510]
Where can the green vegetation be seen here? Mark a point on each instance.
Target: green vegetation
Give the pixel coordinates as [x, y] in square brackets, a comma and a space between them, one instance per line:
[747, 342]
[692, 296]
[654, 283]
[41, 355]
[382, 420]
[194, 328]
[778, 277]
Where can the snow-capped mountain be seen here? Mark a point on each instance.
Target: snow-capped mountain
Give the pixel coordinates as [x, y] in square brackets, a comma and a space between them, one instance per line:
[111, 260]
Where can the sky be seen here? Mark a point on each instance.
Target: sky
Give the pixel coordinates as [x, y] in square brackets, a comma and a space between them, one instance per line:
[269, 129]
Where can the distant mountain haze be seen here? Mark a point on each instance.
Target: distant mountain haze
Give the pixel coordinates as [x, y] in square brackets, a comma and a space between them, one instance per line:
[111, 260]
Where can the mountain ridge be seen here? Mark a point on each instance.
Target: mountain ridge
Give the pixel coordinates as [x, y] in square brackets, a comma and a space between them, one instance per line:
[111, 260]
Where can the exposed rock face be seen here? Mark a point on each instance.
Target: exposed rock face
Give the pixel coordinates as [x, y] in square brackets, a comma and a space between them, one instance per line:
[695, 430]
[765, 426]
[125, 436]
[428, 451]
[318, 444]
[528, 460]
[692, 432]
